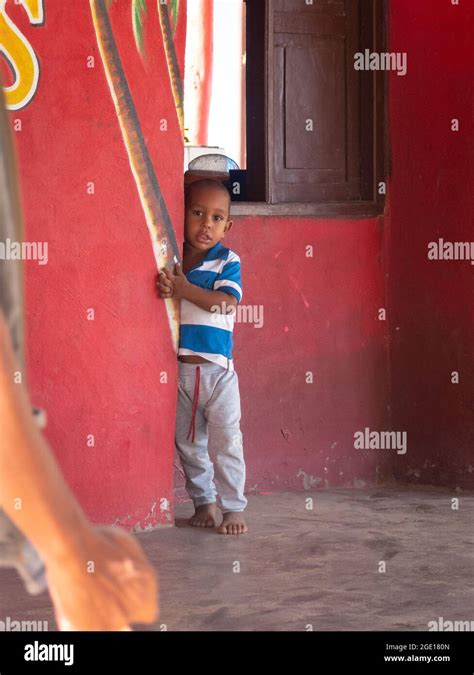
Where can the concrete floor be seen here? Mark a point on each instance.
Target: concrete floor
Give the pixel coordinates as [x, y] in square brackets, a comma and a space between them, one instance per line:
[300, 567]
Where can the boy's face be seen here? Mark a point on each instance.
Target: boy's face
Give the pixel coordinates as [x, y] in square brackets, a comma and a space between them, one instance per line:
[206, 218]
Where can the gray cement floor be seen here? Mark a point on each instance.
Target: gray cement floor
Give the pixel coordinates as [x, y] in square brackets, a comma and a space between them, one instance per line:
[298, 567]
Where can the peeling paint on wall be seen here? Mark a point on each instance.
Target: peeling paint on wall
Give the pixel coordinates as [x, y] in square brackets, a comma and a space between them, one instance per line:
[165, 509]
[308, 480]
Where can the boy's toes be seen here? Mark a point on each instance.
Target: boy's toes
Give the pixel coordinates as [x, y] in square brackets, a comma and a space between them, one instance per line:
[204, 516]
[233, 523]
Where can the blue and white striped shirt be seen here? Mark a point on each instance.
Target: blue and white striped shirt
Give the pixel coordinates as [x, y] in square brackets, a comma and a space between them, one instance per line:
[209, 334]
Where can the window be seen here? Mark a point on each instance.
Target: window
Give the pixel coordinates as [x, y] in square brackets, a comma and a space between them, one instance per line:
[312, 124]
[315, 129]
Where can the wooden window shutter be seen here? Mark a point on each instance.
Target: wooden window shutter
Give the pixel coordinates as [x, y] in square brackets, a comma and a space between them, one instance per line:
[317, 121]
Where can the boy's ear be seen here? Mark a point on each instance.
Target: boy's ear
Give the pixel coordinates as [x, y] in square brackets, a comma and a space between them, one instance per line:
[228, 226]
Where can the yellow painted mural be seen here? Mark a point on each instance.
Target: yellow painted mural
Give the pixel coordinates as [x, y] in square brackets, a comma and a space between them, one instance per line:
[20, 55]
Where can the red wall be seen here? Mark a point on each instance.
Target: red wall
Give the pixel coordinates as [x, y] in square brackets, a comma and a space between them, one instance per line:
[392, 375]
[320, 315]
[320, 312]
[100, 377]
[431, 317]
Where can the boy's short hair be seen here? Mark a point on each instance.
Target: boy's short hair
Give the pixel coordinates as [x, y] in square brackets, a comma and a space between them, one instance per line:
[204, 182]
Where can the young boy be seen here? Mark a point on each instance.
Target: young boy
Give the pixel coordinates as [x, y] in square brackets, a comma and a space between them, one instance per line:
[208, 436]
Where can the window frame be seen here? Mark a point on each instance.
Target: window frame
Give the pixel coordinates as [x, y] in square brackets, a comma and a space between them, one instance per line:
[260, 133]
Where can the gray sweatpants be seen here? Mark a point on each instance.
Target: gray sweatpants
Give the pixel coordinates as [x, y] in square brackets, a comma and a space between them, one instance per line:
[209, 442]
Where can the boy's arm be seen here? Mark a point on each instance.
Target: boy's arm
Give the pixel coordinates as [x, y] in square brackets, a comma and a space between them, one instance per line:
[206, 299]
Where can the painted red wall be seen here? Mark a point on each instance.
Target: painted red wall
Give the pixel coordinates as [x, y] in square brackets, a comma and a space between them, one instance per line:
[392, 375]
[431, 302]
[320, 312]
[320, 315]
[100, 377]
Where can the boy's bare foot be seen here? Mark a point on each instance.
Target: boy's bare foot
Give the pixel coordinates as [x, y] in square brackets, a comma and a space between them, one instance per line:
[204, 516]
[233, 522]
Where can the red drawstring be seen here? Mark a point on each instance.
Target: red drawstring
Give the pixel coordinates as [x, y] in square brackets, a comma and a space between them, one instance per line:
[195, 404]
